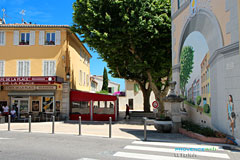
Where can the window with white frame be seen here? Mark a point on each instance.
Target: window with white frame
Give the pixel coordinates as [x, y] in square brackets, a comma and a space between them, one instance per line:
[84, 78]
[24, 39]
[87, 80]
[2, 38]
[49, 68]
[23, 68]
[80, 77]
[2, 68]
[50, 38]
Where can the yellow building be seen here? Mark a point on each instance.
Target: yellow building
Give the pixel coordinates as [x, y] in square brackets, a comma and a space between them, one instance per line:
[39, 65]
[205, 80]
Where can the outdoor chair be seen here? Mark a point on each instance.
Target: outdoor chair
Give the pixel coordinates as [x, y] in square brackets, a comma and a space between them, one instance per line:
[38, 117]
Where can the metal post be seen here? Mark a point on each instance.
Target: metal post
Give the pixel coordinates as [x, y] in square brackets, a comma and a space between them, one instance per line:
[110, 127]
[30, 123]
[9, 121]
[53, 121]
[145, 128]
[80, 123]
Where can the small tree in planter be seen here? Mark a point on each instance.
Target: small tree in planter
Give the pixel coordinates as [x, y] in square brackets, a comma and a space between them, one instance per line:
[199, 100]
[206, 108]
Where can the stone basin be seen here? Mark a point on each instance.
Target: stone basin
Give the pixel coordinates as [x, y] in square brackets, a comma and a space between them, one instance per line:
[163, 126]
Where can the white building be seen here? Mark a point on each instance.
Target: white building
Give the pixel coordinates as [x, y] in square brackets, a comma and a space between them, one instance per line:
[133, 97]
[97, 82]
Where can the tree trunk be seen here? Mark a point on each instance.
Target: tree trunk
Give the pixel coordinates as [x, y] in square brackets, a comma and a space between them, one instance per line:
[146, 95]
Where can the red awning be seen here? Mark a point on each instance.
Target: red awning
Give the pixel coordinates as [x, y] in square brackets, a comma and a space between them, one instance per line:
[86, 96]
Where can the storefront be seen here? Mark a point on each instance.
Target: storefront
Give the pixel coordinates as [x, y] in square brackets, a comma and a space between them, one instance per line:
[92, 106]
[32, 95]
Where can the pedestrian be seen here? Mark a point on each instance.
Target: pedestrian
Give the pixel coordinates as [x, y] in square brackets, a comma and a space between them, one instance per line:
[13, 114]
[231, 114]
[5, 112]
[127, 112]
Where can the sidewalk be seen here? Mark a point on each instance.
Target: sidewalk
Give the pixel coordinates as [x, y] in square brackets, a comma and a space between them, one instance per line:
[127, 129]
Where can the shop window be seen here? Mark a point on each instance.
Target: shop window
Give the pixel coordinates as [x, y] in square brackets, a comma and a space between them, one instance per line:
[80, 107]
[23, 68]
[2, 38]
[35, 106]
[103, 107]
[24, 39]
[130, 103]
[2, 68]
[49, 68]
[50, 38]
[47, 104]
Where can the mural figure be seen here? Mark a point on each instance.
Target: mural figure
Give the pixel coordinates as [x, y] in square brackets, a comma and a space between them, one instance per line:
[231, 114]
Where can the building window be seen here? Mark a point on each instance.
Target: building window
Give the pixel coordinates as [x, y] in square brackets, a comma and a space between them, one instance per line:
[24, 39]
[50, 38]
[49, 68]
[2, 38]
[110, 89]
[84, 78]
[23, 68]
[80, 77]
[130, 103]
[87, 80]
[2, 68]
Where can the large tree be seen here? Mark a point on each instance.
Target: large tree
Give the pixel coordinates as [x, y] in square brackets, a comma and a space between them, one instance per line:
[121, 68]
[105, 80]
[186, 66]
[140, 30]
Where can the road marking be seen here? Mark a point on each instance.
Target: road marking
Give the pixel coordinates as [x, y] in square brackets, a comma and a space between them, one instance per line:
[86, 159]
[148, 156]
[172, 150]
[184, 145]
[5, 138]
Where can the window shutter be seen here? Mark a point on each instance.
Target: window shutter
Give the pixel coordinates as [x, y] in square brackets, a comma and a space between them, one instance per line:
[1, 68]
[41, 38]
[45, 68]
[32, 37]
[52, 68]
[16, 38]
[2, 38]
[20, 68]
[58, 38]
[27, 68]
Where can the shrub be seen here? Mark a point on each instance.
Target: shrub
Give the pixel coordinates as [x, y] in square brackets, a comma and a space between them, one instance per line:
[198, 100]
[206, 108]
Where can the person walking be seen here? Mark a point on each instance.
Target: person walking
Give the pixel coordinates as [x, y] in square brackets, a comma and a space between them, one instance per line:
[127, 112]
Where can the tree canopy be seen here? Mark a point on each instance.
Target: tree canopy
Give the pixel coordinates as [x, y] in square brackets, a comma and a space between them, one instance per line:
[186, 65]
[130, 33]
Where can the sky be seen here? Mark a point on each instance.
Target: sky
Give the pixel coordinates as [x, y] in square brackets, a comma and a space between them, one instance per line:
[200, 47]
[58, 12]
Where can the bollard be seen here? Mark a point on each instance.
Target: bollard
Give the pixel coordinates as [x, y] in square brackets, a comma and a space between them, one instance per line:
[30, 123]
[53, 121]
[80, 123]
[110, 127]
[145, 128]
[9, 121]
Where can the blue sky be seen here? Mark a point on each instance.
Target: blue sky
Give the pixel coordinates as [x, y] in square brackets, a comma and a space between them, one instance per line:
[57, 12]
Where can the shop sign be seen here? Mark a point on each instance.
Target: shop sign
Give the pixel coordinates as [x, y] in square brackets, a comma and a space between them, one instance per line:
[26, 79]
[29, 88]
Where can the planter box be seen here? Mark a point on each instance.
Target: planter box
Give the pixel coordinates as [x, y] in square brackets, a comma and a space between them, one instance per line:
[203, 138]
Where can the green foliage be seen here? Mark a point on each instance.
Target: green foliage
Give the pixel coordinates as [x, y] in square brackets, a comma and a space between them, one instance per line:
[102, 92]
[199, 100]
[206, 131]
[186, 65]
[131, 36]
[105, 80]
[206, 108]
